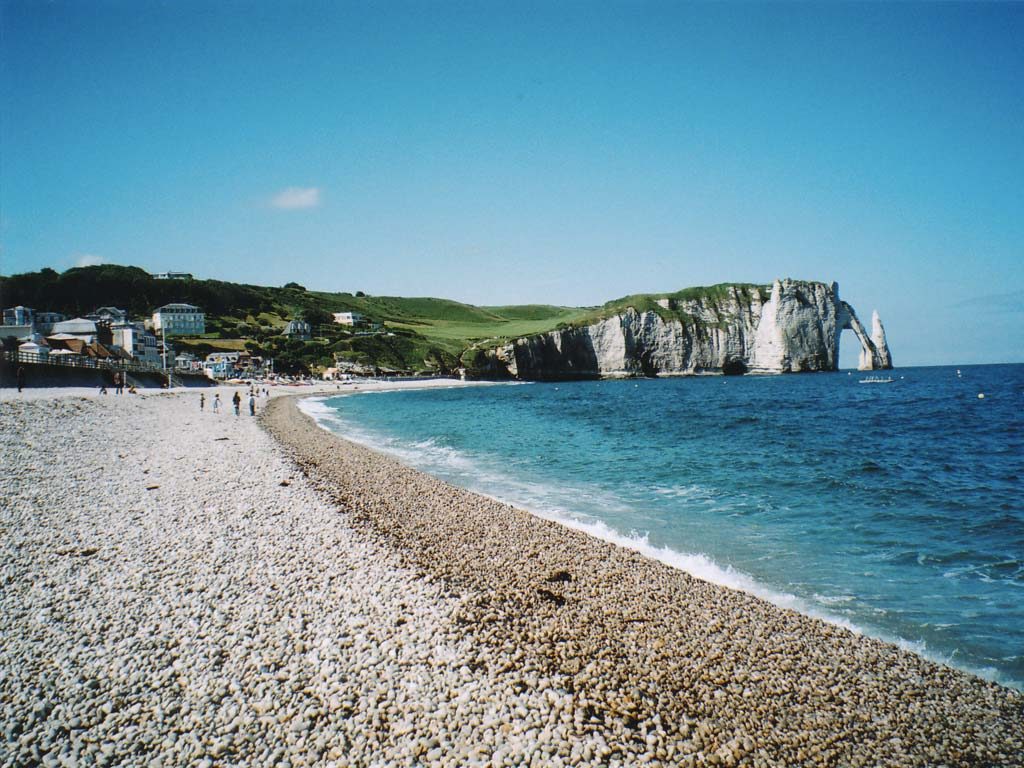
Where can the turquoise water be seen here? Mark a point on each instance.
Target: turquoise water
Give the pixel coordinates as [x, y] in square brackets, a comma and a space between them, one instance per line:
[894, 509]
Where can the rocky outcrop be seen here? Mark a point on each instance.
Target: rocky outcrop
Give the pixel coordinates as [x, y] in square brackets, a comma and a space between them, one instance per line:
[790, 327]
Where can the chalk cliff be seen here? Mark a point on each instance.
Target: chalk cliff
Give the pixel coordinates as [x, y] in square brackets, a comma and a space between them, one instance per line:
[789, 327]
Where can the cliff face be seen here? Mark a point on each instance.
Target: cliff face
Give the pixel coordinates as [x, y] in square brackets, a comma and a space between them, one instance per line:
[793, 327]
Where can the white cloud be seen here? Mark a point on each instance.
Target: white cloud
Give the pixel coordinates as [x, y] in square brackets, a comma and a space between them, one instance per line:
[297, 197]
[89, 260]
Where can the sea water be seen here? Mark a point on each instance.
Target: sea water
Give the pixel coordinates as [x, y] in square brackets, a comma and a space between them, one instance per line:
[895, 509]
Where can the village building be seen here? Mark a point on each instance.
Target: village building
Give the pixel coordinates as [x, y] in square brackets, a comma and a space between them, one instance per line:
[44, 321]
[139, 343]
[221, 365]
[186, 361]
[172, 276]
[218, 369]
[299, 329]
[349, 318]
[64, 345]
[18, 332]
[111, 315]
[25, 323]
[241, 364]
[179, 320]
[34, 349]
[18, 315]
[77, 327]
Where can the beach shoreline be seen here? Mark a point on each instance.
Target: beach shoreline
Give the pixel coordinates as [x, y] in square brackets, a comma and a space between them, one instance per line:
[183, 587]
[432, 450]
[323, 389]
[574, 600]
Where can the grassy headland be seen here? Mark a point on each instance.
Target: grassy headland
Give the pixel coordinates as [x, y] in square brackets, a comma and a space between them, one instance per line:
[417, 334]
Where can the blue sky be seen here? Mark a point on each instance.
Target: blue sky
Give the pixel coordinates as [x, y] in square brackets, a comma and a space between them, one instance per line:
[563, 153]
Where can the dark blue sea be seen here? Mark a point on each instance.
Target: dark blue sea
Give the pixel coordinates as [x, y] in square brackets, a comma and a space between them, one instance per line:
[895, 509]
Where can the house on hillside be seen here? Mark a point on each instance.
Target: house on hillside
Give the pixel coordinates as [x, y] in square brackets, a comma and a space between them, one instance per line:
[349, 318]
[179, 320]
[298, 329]
[172, 276]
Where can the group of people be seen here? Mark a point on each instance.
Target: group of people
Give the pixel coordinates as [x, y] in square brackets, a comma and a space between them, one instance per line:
[236, 401]
[119, 382]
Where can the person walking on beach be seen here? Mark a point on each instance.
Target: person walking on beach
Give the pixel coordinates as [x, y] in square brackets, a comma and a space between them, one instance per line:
[237, 400]
[119, 383]
[252, 404]
[202, 401]
[21, 377]
[216, 403]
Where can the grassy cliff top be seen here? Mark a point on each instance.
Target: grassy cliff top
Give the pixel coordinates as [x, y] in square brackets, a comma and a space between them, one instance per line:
[447, 325]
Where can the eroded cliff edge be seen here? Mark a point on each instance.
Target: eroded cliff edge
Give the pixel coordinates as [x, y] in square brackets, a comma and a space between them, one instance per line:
[789, 327]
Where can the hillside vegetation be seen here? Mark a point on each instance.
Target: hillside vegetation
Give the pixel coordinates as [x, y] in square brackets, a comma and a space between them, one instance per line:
[412, 335]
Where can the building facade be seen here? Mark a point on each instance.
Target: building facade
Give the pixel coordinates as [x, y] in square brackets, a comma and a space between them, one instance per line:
[349, 318]
[77, 327]
[27, 318]
[186, 361]
[109, 314]
[299, 329]
[18, 316]
[134, 339]
[179, 320]
[44, 321]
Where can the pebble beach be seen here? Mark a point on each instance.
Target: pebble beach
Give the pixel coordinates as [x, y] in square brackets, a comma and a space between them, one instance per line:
[189, 588]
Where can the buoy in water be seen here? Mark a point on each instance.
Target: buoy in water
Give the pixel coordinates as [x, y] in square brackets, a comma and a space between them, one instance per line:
[981, 395]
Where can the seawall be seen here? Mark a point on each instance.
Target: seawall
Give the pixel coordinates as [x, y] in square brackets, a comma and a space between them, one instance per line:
[43, 375]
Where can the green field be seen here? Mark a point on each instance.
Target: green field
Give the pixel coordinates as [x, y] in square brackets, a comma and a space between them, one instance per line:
[494, 326]
[204, 344]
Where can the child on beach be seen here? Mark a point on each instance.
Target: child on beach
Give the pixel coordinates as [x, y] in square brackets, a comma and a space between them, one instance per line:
[216, 403]
[252, 404]
[202, 401]
[237, 400]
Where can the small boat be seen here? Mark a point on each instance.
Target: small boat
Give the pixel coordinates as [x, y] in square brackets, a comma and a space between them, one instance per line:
[877, 380]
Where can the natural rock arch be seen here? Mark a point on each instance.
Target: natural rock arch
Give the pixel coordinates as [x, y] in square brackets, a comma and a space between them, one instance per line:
[874, 350]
